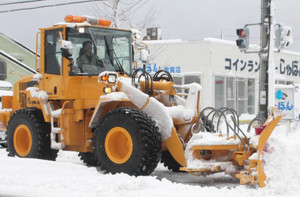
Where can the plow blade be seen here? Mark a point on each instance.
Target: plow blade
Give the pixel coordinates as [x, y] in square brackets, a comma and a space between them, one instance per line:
[255, 173]
[264, 136]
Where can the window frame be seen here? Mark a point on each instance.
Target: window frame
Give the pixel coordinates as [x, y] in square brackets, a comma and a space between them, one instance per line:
[235, 93]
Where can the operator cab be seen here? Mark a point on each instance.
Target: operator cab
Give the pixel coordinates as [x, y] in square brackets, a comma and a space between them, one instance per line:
[93, 48]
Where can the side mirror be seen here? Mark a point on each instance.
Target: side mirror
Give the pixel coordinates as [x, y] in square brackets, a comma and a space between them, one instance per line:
[145, 55]
[66, 48]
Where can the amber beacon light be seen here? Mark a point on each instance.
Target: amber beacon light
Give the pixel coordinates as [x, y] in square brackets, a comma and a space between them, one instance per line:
[91, 20]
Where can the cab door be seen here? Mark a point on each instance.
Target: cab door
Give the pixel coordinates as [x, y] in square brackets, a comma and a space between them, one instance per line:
[52, 69]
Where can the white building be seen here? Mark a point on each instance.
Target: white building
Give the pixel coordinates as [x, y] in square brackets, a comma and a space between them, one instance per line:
[229, 77]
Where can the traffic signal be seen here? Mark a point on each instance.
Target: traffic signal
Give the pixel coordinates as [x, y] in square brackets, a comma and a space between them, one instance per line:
[283, 36]
[243, 41]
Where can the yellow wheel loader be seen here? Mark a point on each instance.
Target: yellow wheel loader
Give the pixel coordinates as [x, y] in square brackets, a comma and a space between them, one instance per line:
[86, 97]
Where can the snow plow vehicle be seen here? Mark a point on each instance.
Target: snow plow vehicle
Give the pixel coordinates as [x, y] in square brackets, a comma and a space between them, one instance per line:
[88, 98]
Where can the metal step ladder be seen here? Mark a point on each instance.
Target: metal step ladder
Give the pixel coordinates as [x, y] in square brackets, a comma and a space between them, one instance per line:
[55, 131]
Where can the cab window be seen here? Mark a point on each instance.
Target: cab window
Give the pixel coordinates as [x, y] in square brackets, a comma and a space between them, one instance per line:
[52, 52]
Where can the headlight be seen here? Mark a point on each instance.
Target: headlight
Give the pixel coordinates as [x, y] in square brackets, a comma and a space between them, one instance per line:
[112, 78]
[107, 76]
[107, 90]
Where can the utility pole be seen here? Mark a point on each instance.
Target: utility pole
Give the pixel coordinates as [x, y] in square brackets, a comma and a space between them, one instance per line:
[264, 60]
[270, 41]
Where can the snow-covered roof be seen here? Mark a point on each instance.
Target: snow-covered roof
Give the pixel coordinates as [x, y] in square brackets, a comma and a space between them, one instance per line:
[163, 41]
[215, 41]
[187, 74]
[290, 52]
[219, 41]
[5, 84]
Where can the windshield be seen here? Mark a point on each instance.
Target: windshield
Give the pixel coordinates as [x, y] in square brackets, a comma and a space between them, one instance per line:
[98, 49]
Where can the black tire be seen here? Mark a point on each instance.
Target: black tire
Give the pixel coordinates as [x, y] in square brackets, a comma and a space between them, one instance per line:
[169, 162]
[146, 142]
[88, 159]
[32, 119]
[3, 145]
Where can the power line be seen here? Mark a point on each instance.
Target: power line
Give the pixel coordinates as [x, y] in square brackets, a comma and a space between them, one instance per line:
[20, 2]
[47, 6]
[135, 4]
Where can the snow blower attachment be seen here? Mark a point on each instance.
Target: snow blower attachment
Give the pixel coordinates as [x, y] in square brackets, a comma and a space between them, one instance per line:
[236, 153]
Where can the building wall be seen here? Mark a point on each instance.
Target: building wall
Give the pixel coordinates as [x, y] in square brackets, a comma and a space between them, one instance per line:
[214, 59]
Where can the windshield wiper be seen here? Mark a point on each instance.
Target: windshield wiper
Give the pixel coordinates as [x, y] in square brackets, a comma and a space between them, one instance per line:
[112, 54]
[118, 62]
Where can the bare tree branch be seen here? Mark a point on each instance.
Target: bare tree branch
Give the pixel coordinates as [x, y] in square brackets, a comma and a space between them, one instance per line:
[127, 14]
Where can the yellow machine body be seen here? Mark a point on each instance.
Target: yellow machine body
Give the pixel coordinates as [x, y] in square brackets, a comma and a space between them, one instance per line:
[76, 95]
[75, 104]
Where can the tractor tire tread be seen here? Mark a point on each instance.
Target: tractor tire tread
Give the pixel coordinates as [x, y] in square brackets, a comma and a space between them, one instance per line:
[88, 158]
[169, 162]
[42, 128]
[148, 135]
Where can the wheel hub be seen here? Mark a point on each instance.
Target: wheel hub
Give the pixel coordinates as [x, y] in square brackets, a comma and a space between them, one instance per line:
[22, 140]
[118, 145]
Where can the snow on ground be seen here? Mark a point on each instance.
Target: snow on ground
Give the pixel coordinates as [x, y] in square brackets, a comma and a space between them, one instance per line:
[69, 177]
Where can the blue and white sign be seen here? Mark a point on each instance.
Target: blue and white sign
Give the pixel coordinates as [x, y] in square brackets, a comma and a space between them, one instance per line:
[284, 100]
[154, 67]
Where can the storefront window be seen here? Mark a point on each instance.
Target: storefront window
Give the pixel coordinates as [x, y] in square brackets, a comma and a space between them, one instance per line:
[251, 93]
[235, 93]
[177, 80]
[242, 100]
[192, 79]
[219, 92]
[230, 92]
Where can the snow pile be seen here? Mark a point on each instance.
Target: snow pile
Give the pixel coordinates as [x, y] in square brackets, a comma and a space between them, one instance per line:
[282, 162]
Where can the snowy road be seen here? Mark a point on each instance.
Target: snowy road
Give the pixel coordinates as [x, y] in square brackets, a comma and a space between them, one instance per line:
[69, 177]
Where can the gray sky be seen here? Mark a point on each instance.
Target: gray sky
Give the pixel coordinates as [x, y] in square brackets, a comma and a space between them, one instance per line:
[185, 19]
